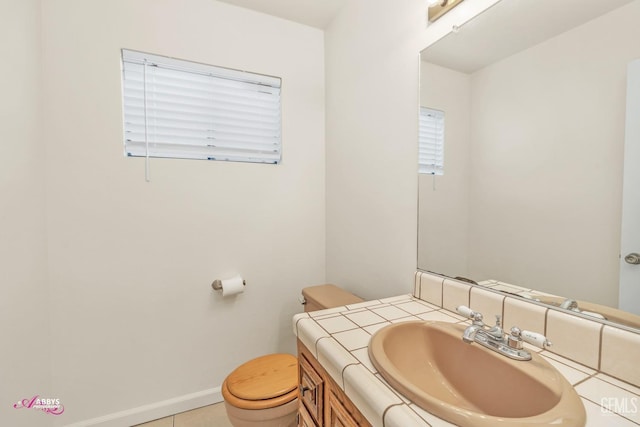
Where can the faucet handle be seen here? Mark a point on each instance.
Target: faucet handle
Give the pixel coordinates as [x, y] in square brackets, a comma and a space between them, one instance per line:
[467, 312]
[535, 338]
[514, 340]
[498, 320]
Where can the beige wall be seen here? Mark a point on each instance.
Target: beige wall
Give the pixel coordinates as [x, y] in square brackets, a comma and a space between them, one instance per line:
[372, 100]
[546, 193]
[130, 263]
[443, 209]
[25, 368]
[372, 63]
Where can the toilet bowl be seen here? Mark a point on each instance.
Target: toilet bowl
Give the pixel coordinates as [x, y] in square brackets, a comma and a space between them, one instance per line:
[263, 392]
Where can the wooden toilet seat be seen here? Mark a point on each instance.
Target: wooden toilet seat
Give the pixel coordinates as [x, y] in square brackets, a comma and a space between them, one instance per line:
[265, 382]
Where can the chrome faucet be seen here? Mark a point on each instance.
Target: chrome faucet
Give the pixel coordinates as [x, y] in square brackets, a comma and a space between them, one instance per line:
[470, 333]
[571, 304]
[495, 339]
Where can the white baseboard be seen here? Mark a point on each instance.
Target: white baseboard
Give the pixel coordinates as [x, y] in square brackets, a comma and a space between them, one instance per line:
[153, 411]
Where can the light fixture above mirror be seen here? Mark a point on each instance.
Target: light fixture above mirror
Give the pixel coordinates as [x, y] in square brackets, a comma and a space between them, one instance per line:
[438, 8]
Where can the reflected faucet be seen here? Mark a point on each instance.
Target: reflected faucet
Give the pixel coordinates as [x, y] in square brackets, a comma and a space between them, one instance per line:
[571, 304]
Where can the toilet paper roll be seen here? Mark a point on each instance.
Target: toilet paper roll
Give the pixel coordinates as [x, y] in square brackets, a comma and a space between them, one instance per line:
[232, 286]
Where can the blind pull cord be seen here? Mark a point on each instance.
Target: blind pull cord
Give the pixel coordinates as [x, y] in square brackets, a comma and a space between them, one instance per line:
[146, 126]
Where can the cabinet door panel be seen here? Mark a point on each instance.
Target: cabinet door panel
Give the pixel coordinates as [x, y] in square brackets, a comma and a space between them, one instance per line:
[304, 418]
[322, 398]
[311, 390]
[338, 415]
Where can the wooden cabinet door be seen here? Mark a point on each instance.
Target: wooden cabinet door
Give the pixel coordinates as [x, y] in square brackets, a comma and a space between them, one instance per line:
[338, 415]
[311, 390]
[304, 418]
[322, 401]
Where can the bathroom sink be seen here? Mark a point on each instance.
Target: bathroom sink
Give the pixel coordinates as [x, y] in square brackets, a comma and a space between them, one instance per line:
[469, 385]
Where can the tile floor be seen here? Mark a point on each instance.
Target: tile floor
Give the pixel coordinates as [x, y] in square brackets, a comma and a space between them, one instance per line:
[207, 416]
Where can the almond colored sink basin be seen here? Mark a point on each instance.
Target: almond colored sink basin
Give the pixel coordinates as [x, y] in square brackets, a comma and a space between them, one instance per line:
[469, 385]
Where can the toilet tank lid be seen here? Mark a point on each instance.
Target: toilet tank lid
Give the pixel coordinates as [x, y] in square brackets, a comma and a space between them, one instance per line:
[265, 377]
[329, 296]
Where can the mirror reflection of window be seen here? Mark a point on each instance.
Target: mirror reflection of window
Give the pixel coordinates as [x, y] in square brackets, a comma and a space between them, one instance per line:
[431, 142]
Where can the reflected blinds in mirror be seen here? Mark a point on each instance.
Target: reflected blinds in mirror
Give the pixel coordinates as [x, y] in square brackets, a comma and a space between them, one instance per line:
[431, 142]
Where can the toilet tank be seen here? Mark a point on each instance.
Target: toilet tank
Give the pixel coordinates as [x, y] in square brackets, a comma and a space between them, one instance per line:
[327, 296]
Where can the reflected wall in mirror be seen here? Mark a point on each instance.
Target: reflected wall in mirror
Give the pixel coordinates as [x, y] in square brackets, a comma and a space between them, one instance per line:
[534, 95]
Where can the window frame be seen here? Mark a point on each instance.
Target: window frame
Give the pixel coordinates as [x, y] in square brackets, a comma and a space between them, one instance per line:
[431, 134]
[179, 109]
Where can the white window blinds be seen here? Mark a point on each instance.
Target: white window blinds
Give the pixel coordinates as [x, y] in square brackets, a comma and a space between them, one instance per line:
[181, 109]
[431, 142]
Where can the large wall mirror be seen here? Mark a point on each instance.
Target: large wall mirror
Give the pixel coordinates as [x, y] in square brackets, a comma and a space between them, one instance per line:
[534, 96]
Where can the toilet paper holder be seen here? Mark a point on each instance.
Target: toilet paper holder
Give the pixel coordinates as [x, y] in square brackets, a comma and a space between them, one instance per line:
[217, 284]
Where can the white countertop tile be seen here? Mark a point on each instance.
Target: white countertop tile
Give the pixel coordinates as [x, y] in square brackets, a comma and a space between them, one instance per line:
[596, 417]
[334, 358]
[351, 340]
[572, 375]
[398, 299]
[362, 304]
[309, 332]
[615, 399]
[430, 418]
[414, 307]
[374, 328]
[398, 416]
[621, 384]
[362, 354]
[370, 395]
[326, 312]
[405, 319]
[438, 316]
[365, 318]
[569, 362]
[337, 324]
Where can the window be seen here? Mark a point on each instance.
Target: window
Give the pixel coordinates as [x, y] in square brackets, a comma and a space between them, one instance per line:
[181, 109]
[431, 142]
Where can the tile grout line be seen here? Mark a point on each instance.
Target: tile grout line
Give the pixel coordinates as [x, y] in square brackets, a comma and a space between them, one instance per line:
[610, 411]
[600, 348]
[582, 381]
[542, 353]
[615, 385]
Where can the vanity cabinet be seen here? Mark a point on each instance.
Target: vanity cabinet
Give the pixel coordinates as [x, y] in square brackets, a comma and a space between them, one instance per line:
[311, 386]
[322, 402]
[304, 418]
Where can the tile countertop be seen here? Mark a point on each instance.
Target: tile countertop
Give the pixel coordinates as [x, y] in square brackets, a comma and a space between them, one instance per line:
[338, 338]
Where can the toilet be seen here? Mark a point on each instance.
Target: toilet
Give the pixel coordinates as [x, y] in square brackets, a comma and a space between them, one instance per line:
[263, 392]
